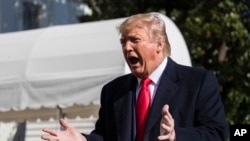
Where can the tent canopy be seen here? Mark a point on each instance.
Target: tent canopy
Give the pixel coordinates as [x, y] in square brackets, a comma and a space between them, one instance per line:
[66, 65]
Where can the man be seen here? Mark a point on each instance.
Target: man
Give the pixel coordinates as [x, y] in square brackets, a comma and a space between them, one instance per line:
[183, 102]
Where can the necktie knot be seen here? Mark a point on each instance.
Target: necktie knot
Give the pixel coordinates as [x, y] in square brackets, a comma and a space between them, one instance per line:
[145, 82]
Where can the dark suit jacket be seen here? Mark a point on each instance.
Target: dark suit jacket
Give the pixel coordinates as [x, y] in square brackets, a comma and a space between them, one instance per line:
[193, 98]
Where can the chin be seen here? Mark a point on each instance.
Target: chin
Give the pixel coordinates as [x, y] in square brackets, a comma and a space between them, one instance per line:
[135, 73]
[139, 75]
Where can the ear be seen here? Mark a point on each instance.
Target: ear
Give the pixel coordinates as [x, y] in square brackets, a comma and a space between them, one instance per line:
[160, 46]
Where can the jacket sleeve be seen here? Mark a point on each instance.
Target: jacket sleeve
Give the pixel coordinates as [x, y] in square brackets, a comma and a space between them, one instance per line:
[98, 132]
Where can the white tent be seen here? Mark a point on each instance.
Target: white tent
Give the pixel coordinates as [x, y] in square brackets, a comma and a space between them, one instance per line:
[62, 66]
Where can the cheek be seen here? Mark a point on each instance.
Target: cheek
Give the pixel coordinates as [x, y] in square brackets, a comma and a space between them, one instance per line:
[150, 53]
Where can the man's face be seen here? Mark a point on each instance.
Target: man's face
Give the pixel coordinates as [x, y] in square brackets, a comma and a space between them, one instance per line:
[140, 51]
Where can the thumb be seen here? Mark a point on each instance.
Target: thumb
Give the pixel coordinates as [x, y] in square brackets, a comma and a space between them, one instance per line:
[64, 124]
[165, 109]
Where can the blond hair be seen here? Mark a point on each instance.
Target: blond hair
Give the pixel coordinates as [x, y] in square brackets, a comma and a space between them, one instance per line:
[153, 22]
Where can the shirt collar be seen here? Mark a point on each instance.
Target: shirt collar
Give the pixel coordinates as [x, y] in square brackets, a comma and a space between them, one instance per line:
[156, 74]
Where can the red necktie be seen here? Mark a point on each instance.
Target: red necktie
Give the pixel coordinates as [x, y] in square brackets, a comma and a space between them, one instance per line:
[142, 108]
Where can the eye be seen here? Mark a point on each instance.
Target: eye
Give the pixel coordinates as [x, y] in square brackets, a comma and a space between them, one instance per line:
[122, 41]
[134, 39]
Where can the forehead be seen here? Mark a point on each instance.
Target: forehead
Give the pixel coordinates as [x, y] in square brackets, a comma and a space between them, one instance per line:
[136, 31]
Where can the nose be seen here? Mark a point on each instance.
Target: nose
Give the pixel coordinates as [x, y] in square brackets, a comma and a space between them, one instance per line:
[127, 46]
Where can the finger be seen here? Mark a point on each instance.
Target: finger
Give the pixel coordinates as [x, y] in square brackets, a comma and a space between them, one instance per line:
[163, 137]
[65, 124]
[165, 109]
[166, 116]
[166, 119]
[167, 124]
[165, 132]
[48, 138]
[50, 131]
[166, 129]
[45, 137]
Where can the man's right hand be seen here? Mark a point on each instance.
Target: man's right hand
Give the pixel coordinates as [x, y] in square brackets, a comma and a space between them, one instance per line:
[69, 134]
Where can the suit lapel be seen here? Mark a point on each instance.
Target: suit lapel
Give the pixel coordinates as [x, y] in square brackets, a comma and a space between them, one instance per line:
[164, 94]
[124, 111]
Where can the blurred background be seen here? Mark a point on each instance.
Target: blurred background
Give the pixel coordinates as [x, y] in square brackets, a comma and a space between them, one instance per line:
[216, 33]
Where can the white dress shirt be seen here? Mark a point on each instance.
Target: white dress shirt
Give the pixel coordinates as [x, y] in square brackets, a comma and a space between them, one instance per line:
[155, 77]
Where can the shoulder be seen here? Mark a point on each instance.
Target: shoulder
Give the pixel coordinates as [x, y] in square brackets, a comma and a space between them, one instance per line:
[192, 72]
[118, 87]
[120, 81]
[198, 77]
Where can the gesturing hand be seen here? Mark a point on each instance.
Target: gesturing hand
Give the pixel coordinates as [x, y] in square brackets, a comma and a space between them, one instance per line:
[167, 132]
[69, 134]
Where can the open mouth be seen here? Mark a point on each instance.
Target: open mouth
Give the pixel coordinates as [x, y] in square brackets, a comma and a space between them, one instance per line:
[133, 60]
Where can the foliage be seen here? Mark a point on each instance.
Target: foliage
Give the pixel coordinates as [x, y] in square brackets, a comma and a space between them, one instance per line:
[217, 34]
[218, 40]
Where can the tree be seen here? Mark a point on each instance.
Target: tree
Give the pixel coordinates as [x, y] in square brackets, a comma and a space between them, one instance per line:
[218, 39]
[217, 34]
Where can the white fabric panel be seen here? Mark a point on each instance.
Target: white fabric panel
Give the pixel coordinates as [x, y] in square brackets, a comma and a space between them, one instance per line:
[7, 131]
[58, 66]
